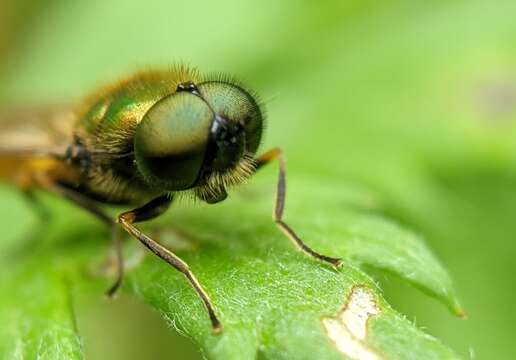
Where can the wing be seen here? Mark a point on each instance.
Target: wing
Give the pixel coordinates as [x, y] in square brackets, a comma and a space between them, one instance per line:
[36, 131]
[33, 138]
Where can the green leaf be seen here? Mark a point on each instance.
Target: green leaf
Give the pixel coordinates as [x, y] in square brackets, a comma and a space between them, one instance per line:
[36, 314]
[273, 301]
[271, 298]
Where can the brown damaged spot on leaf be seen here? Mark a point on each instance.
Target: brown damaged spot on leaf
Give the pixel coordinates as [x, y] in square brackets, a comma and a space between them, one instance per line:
[348, 330]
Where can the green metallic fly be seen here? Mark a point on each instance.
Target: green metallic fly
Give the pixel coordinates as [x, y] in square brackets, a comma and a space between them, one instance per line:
[139, 143]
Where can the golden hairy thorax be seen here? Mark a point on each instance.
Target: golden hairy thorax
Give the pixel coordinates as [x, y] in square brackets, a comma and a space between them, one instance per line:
[107, 119]
[105, 128]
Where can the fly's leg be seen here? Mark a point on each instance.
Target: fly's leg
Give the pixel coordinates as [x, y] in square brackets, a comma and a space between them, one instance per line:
[119, 260]
[93, 208]
[41, 212]
[37, 206]
[148, 211]
[24, 181]
[277, 215]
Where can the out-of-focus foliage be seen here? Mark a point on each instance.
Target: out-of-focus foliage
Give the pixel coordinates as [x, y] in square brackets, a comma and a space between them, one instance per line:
[414, 102]
[17, 18]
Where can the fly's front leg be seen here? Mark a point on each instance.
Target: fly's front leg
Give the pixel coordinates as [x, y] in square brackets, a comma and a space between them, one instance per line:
[277, 215]
[93, 208]
[148, 211]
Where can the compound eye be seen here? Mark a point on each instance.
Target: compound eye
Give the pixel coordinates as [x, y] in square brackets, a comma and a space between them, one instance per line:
[171, 140]
[235, 105]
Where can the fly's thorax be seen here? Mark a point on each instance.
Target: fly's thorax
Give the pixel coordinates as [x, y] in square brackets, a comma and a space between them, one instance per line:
[108, 118]
[203, 137]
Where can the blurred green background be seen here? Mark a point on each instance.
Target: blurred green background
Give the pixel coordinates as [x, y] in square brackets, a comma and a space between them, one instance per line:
[415, 101]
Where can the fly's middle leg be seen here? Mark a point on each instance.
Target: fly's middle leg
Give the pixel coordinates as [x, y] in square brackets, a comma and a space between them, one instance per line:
[93, 208]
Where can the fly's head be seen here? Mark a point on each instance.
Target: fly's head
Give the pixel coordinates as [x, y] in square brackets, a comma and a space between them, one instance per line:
[202, 137]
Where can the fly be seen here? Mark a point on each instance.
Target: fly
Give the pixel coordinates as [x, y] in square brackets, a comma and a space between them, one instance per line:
[140, 142]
